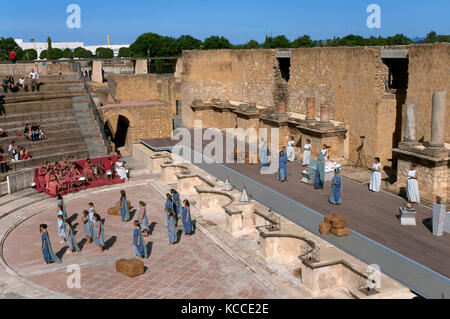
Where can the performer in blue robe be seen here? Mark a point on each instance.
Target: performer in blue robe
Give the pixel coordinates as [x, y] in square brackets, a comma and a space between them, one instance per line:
[143, 218]
[319, 177]
[282, 166]
[263, 155]
[171, 228]
[168, 205]
[70, 239]
[336, 188]
[140, 249]
[61, 206]
[176, 204]
[99, 235]
[88, 231]
[124, 211]
[187, 222]
[46, 246]
[61, 228]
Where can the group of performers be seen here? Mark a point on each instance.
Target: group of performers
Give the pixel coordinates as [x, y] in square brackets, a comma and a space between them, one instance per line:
[173, 211]
[94, 228]
[68, 176]
[315, 168]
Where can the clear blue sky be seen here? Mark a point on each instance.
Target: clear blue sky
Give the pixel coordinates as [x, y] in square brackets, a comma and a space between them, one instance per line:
[238, 20]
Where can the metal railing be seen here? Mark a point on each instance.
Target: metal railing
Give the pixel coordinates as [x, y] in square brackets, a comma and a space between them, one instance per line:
[93, 108]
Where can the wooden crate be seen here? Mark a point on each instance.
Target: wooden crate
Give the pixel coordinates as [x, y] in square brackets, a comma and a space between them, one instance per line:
[130, 267]
[324, 228]
[337, 223]
[340, 231]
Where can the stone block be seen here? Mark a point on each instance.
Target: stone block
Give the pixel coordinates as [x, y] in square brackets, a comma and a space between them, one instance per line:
[407, 217]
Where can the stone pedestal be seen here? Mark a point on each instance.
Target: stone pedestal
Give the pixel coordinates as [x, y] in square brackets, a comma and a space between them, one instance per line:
[310, 109]
[324, 113]
[407, 217]
[97, 75]
[441, 219]
[438, 124]
[281, 106]
[141, 66]
[305, 178]
[410, 123]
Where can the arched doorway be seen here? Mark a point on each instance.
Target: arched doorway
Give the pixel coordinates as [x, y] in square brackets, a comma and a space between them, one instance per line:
[120, 137]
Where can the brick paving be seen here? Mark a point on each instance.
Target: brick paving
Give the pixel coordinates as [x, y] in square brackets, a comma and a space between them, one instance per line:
[194, 268]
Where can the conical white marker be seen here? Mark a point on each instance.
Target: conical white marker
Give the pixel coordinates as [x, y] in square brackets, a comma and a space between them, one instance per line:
[227, 185]
[244, 196]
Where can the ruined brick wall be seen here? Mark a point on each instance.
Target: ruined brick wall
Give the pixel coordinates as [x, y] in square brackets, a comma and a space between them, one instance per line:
[429, 71]
[142, 87]
[349, 79]
[241, 75]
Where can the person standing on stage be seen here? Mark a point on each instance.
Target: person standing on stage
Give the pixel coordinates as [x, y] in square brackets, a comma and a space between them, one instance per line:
[187, 221]
[143, 218]
[176, 204]
[375, 179]
[70, 239]
[168, 205]
[282, 168]
[291, 150]
[412, 186]
[99, 235]
[88, 230]
[306, 154]
[171, 228]
[336, 188]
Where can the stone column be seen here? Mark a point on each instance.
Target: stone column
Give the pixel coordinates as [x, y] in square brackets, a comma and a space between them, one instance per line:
[141, 66]
[97, 75]
[281, 106]
[410, 123]
[310, 108]
[438, 119]
[324, 113]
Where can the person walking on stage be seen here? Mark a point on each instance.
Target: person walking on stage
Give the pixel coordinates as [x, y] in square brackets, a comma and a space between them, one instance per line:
[46, 246]
[319, 178]
[171, 228]
[168, 205]
[140, 249]
[87, 222]
[291, 150]
[375, 178]
[124, 211]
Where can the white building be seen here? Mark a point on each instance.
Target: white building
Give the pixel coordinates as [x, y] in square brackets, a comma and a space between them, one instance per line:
[41, 46]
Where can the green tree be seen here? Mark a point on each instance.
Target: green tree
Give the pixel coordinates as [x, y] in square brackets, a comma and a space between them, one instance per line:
[67, 53]
[82, 53]
[252, 44]
[104, 53]
[7, 45]
[153, 45]
[215, 42]
[187, 42]
[43, 55]
[352, 40]
[279, 41]
[124, 52]
[54, 54]
[303, 42]
[431, 37]
[29, 54]
[398, 39]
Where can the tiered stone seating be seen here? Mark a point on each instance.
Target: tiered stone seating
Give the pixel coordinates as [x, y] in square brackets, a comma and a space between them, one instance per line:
[61, 108]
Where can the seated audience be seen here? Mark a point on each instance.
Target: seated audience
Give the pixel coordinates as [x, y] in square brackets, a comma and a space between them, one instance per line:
[23, 154]
[34, 132]
[2, 107]
[3, 165]
[27, 131]
[3, 133]
[13, 151]
[41, 133]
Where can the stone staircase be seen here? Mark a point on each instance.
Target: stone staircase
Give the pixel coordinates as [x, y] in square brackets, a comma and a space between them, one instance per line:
[61, 108]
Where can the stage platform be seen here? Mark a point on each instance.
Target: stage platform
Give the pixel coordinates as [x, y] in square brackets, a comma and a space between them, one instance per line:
[409, 254]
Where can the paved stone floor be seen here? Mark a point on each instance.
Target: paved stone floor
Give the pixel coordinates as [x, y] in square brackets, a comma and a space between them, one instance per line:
[194, 268]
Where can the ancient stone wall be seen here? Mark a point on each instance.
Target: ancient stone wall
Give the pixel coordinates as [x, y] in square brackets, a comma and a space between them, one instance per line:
[350, 79]
[144, 87]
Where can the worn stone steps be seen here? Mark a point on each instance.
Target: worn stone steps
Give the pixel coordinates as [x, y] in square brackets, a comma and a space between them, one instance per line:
[41, 95]
[45, 122]
[23, 118]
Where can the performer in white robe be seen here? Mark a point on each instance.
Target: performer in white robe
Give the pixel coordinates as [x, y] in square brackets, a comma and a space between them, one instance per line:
[375, 179]
[325, 151]
[412, 186]
[307, 153]
[120, 170]
[291, 149]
